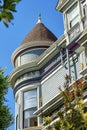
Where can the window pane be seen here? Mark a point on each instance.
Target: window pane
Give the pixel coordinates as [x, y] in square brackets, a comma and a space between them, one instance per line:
[26, 124]
[29, 113]
[73, 15]
[33, 122]
[30, 94]
[31, 55]
[74, 21]
[30, 103]
[29, 118]
[30, 122]
[30, 99]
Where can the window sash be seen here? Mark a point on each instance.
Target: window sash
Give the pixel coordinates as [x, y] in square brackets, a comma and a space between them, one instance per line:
[29, 103]
[30, 99]
[73, 11]
[29, 118]
[29, 113]
[74, 21]
[73, 16]
[29, 94]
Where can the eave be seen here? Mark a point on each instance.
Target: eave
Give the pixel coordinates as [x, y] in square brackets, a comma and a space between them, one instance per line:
[62, 5]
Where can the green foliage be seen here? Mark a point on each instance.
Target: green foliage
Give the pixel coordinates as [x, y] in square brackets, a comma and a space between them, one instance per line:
[57, 125]
[47, 120]
[6, 119]
[72, 116]
[7, 7]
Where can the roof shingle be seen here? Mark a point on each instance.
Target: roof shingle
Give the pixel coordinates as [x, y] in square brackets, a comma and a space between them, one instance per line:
[40, 33]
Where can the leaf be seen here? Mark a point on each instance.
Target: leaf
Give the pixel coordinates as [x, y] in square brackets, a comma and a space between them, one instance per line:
[12, 7]
[6, 118]
[7, 9]
[6, 17]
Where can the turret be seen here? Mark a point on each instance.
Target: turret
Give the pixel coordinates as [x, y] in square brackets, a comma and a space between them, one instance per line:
[26, 77]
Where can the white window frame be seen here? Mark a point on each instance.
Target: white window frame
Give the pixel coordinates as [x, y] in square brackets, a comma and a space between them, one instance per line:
[29, 108]
[74, 11]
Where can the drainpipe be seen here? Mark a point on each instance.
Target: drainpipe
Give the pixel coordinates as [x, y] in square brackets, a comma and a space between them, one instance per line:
[68, 63]
[74, 65]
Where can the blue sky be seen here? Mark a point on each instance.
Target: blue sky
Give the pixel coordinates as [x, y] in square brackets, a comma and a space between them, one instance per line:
[24, 20]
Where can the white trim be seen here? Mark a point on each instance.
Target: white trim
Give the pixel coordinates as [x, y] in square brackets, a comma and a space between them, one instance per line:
[85, 100]
[84, 42]
[26, 88]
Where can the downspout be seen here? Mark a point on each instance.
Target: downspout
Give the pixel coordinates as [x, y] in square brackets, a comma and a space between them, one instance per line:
[68, 63]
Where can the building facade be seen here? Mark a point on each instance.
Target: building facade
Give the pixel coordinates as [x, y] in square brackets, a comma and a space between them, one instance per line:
[42, 61]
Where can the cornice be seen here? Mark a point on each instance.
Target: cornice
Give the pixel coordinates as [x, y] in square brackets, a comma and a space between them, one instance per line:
[62, 5]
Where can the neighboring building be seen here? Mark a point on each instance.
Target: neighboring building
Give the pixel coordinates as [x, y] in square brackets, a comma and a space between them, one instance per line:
[42, 61]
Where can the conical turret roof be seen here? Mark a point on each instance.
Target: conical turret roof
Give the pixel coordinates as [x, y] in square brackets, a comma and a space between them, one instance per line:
[40, 33]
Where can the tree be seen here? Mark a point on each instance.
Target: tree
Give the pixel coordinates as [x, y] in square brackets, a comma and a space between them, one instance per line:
[73, 115]
[6, 118]
[7, 7]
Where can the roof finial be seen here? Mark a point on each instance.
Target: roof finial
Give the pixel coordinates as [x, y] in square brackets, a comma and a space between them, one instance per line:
[39, 19]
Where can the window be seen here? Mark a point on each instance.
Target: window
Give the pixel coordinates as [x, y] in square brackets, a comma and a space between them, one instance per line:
[29, 118]
[30, 56]
[30, 106]
[30, 99]
[73, 16]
